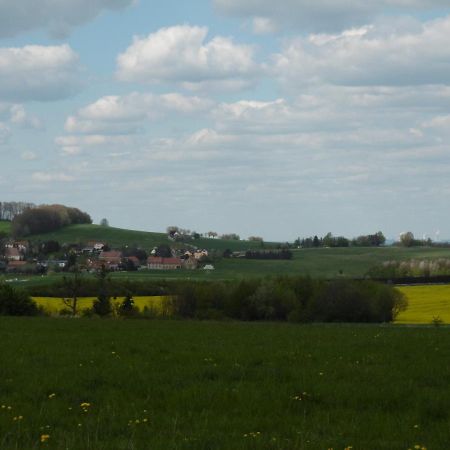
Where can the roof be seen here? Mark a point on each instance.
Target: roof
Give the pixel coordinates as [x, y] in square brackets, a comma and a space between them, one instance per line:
[17, 263]
[160, 260]
[112, 254]
[13, 252]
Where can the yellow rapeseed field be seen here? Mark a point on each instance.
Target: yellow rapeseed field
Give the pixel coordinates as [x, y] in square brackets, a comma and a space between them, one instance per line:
[425, 304]
[55, 305]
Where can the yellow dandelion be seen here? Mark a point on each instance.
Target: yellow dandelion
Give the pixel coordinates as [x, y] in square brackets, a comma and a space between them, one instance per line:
[45, 437]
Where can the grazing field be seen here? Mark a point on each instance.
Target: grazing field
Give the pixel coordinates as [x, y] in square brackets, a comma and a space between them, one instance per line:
[126, 384]
[426, 303]
[5, 227]
[118, 237]
[56, 305]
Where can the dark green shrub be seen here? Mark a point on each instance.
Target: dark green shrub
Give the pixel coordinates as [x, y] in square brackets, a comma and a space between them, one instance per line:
[14, 302]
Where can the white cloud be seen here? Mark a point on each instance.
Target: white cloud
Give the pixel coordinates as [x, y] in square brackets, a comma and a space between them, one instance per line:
[74, 145]
[28, 156]
[124, 114]
[20, 117]
[36, 72]
[180, 55]
[322, 15]
[49, 177]
[418, 55]
[56, 16]
[263, 25]
[5, 133]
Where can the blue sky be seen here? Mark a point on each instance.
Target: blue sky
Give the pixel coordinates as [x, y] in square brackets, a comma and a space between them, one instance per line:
[279, 119]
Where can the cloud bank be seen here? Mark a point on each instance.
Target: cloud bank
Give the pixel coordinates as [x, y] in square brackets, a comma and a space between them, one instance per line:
[56, 16]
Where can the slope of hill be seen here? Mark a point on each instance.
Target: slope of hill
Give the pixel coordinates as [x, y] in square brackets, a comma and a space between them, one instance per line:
[118, 237]
[5, 227]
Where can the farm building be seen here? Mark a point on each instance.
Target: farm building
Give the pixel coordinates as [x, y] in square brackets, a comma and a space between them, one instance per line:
[159, 263]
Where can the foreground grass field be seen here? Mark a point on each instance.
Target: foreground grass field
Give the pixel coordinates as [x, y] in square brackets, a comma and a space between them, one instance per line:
[426, 303]
[111, 384]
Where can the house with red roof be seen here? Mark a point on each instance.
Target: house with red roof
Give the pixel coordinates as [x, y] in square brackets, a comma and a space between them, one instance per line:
[160, 263]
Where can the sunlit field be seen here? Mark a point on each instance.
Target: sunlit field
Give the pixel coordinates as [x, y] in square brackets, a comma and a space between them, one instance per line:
[96, 384]
[426, 304]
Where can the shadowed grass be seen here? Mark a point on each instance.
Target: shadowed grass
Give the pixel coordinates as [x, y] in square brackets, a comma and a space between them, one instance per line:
[204, 385]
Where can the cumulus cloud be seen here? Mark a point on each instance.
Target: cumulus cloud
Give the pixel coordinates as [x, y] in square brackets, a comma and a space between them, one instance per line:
[321, 15]
[35, 72]
[181, 55]
[124, 114]
[56, 16]
[372, 55]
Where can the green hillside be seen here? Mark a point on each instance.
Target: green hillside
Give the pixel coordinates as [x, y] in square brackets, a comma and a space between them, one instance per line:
[118, 237]
[5, 227]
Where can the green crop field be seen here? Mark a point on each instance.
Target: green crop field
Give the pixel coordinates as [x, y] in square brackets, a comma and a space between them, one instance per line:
[118, 237]
[425, 304]
[135, 384]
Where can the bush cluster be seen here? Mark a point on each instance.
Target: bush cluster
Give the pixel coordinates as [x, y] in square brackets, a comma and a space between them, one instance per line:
[289, 299]
[47, 218]
[15, 302]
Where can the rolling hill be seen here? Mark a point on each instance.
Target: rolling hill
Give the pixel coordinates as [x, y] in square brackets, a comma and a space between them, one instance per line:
[118, 237]
[5, 227]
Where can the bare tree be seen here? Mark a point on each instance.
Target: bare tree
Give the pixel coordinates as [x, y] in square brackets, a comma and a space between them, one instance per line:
[72, 287]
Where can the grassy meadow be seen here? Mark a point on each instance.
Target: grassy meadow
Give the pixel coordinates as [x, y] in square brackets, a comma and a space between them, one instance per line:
[5, 227]
[132, 384]
[118, 238]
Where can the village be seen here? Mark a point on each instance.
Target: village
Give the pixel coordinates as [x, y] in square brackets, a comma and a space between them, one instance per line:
[25, 257]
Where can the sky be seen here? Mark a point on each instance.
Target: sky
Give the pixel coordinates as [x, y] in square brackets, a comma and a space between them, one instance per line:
[275, 119]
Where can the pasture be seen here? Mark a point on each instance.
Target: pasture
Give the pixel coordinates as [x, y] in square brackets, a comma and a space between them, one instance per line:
[5, 227]
[119, 237]
[125, 384]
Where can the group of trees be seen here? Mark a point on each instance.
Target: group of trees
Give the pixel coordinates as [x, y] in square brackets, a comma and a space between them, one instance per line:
[291, 299]
[370, 240]
[45, 218]
[295, 299]
[9, 210]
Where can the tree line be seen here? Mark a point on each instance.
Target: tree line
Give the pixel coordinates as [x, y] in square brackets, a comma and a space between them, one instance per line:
[9, 210]
[294, 299]
[369, 240]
